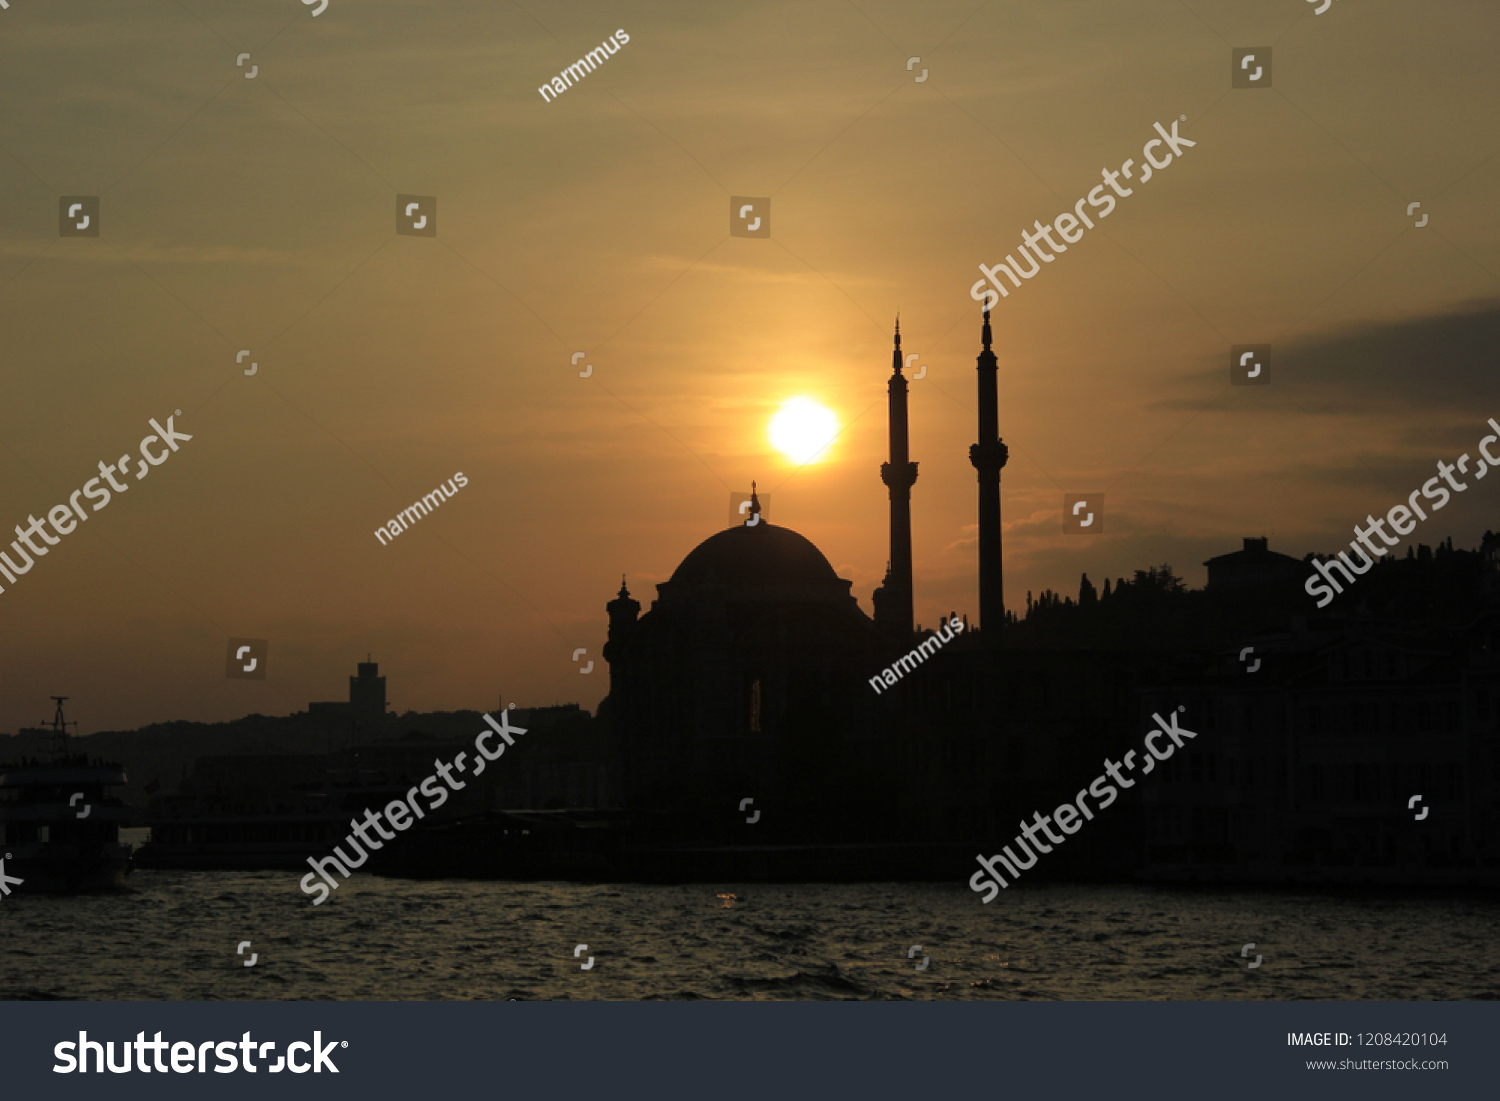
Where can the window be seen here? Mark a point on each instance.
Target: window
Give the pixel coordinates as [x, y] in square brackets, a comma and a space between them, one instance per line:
[755, 705]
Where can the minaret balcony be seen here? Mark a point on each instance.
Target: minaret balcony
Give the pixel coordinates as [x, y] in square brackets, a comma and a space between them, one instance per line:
[989, 457]
[894, 476]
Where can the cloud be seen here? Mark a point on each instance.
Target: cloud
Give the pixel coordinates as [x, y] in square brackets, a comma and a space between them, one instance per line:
[1443, 362]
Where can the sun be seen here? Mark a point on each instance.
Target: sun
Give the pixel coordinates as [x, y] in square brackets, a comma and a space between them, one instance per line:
[802, 430]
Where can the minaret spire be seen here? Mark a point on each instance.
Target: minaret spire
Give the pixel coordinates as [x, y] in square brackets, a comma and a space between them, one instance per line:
[893, 602]
[988, 456]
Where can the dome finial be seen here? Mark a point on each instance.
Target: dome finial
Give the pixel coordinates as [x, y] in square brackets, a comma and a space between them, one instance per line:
[754, 508]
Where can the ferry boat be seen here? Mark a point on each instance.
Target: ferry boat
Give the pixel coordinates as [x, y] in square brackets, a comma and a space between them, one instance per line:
[266, 811]
[60, 824]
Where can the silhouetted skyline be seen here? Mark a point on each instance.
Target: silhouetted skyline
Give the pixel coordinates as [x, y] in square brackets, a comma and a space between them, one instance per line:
[256, 215]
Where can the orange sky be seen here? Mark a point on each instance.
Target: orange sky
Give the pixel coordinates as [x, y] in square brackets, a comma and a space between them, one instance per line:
[259, 214]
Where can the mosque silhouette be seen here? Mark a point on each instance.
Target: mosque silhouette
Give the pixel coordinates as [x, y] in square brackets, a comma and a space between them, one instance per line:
[750, 739]
[752, 678]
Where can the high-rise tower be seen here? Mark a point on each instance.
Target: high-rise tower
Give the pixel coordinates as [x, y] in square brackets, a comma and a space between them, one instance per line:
[988, 456]
[893, 600]
[367, 702]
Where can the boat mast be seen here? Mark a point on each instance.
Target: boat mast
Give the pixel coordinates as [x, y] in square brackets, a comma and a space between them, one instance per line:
[60, 730]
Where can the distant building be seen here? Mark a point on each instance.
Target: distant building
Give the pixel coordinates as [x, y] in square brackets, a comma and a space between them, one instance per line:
[1355, 752]
[1255, 565]
[1489, 551]
[363, 717]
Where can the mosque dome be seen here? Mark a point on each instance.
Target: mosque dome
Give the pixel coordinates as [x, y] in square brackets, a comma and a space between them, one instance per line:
[757, 554]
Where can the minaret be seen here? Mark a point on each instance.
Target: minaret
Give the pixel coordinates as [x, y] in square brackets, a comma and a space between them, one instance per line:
[624, 612]
[988, 456]
[893, 606]
[623, 699]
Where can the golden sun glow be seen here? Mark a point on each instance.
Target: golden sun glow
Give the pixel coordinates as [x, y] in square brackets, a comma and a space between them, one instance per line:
[802, 430]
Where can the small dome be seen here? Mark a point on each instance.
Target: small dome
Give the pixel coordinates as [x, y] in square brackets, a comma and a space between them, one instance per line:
[760, 553]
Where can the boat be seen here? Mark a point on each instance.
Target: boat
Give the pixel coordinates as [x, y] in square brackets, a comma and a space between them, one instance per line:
[261, 812]
[60, 823]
